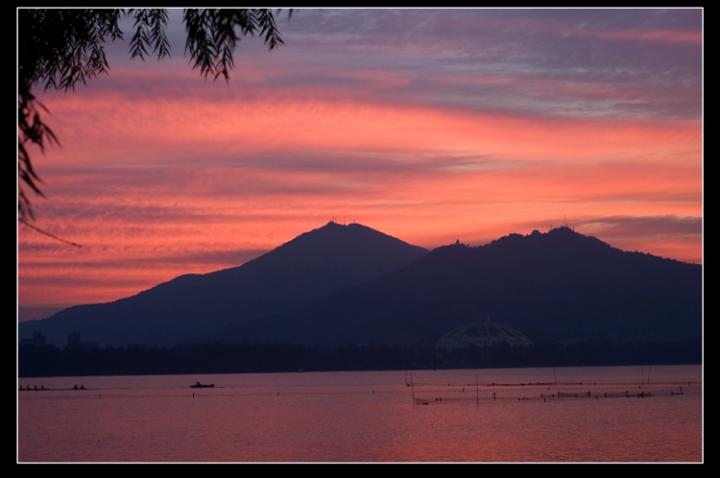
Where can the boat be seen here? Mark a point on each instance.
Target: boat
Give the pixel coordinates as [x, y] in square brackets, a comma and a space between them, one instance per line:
[202, 385]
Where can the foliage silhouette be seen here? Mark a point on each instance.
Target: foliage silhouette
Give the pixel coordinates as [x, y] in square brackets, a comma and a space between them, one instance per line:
[59, 48]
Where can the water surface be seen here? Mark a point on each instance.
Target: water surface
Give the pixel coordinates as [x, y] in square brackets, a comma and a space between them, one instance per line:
[369, 416]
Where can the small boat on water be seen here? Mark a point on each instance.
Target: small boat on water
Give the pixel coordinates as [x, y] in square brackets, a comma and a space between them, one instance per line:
[202, 385]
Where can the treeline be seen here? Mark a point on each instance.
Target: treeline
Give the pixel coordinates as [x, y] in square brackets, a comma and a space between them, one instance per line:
[49, 360]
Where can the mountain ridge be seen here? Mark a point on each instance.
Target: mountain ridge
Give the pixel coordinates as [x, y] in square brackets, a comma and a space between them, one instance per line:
[559, 285]
[308, 266]
[344, 284]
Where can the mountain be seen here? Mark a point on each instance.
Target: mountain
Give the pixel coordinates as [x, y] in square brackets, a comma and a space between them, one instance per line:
[554, 286]
[188, 307]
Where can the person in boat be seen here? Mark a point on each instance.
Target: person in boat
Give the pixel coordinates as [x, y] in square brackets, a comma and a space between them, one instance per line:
[200, 385]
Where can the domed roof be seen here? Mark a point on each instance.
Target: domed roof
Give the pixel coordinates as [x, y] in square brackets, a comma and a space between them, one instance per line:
[482, 333]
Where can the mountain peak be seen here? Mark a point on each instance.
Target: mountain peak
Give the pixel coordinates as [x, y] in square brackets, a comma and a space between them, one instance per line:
[333, 231]
[331, 225]
[562, 234]
[192, 307]
[336, 225]
[560, 240]
[554, 285]
[561, 231]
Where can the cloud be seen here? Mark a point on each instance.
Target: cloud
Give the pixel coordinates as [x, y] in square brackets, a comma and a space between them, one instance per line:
[203, 258]
[166, 131]
[627, 226]
[405, 56]
[427, 124]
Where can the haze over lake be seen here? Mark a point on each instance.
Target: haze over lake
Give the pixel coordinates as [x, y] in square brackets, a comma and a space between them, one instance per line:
[367, 416]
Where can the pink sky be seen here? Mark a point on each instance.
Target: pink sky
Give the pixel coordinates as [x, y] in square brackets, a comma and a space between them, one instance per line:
[387, 119]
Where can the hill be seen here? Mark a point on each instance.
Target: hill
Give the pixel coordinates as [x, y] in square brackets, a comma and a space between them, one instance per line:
[189, 307]
[559, 286]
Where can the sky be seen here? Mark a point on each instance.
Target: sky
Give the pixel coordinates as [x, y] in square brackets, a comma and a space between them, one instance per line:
[430, 125]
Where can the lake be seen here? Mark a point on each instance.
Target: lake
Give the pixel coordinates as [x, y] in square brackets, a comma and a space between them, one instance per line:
[575, 414]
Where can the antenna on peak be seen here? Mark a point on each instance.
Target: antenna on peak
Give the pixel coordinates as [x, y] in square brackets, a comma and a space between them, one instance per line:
[567, 224]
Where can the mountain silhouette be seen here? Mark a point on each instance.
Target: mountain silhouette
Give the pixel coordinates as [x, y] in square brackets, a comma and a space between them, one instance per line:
[554, 287]
[187, 308]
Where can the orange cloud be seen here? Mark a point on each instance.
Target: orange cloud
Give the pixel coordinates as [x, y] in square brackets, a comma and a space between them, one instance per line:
[165, 177]
[137, 130]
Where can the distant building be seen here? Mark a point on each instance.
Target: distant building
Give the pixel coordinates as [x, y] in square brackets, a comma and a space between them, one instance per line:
[480, 334]
[74, 340]
[37, 340]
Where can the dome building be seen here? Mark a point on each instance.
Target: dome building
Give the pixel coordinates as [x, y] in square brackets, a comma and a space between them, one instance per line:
[480, 334]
